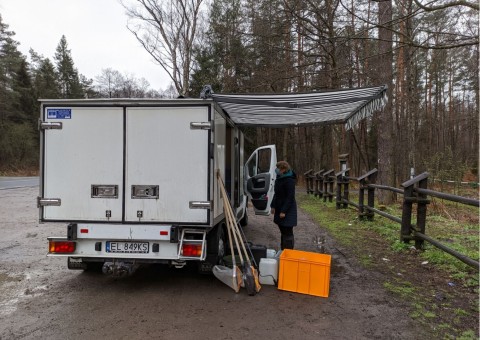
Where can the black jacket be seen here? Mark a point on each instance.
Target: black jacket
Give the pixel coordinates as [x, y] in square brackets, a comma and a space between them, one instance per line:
[284, 200]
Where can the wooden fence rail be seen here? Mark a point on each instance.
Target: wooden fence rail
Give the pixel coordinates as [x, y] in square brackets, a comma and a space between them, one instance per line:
[414, 191]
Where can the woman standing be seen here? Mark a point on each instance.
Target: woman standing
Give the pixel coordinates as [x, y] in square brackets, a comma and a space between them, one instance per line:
[284, 206]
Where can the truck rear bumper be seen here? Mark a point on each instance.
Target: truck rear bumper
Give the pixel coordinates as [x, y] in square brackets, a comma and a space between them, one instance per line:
[152, 243]
[98, 248]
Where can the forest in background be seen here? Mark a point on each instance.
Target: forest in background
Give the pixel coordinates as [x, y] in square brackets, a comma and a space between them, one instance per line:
[427, 56]
[25, 79]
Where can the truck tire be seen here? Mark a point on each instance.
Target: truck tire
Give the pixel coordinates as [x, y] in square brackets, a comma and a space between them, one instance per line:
[244, 220]
[216, 246]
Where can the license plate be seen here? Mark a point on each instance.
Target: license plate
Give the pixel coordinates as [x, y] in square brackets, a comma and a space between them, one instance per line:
[127, 247]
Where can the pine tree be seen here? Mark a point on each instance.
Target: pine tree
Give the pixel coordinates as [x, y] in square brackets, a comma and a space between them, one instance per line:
[17, 138]
[10, 59]
[25, 104]
[46, 81]
[70, 86]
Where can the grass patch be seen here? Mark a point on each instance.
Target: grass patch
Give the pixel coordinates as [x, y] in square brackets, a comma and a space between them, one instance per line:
[460, 235]
[339, 223]
[365, 260]
[404, 289]
[460, 312]
[468, 335]
[376, 245]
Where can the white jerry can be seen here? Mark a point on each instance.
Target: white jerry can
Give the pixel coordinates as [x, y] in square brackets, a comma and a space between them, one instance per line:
[268, 271]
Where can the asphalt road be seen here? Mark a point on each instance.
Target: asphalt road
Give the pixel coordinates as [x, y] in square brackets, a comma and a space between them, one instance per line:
[18, 182]
[41, 299]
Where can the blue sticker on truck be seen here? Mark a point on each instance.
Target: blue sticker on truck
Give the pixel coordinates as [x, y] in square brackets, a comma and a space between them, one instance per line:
[59, 113]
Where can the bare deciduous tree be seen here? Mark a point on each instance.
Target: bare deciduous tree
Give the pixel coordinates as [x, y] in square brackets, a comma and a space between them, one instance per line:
[167, 30]
[107, 82]
[112, 84]
[430, 7]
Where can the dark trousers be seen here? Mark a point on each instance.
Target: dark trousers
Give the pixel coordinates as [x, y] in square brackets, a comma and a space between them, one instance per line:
[287, 238]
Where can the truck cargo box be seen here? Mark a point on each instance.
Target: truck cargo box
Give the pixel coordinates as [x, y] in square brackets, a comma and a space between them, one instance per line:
[126, 164]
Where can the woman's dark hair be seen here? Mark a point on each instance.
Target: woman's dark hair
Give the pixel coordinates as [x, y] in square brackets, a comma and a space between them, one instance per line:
[283, 165]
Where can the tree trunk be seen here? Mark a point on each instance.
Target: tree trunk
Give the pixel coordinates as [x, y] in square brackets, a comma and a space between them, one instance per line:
[384, 118]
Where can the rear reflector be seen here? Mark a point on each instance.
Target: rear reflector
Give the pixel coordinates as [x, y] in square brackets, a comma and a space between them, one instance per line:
[192, 250]
[164, 233]
[61, 247]
[84, 231]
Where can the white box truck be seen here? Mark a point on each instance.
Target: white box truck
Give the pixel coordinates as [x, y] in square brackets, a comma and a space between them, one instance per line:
[135, 181]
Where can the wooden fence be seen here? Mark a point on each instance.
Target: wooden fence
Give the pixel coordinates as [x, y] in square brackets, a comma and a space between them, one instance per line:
[414, 191]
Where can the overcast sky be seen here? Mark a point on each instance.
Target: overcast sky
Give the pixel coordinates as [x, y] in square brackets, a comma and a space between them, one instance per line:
[96, 35]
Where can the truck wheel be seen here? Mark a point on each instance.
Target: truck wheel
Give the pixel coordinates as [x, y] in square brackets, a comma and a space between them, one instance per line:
[216, 245]
[244, 220]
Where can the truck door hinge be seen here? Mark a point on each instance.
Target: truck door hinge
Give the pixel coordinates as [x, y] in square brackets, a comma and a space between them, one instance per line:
[201, 125]
[42, 202]
[49, 125]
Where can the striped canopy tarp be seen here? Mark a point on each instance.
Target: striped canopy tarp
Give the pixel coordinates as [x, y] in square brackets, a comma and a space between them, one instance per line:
[347, 107]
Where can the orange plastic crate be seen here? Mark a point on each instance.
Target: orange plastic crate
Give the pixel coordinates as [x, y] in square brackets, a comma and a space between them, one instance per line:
[304, 272]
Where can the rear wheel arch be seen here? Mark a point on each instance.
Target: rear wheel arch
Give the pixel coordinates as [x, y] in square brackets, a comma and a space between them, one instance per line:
[217, 243]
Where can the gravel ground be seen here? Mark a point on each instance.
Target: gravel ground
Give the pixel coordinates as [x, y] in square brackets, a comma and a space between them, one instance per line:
[41, 299]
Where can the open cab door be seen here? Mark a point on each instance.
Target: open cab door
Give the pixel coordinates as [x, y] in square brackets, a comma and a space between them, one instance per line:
[260, 178]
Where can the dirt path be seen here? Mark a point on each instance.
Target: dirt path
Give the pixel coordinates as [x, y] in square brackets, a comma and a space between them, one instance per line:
[41, 299]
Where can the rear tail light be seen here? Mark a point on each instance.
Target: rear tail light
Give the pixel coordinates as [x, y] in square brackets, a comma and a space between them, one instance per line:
[192, 250]
[61, 247]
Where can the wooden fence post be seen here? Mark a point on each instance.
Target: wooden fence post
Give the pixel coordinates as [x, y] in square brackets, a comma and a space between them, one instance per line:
[422, 203]
[405, 229]
[319, 184]
[361, 194]
[363, 184]
[330, 191]
[410, 197]
[346, 185]
[372, 177]
[342, 189]
[309, 181]
[338, 199]
[343, 168]
[328, 186]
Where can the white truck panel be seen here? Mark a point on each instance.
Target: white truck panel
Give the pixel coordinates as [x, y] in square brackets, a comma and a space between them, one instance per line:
[163, 150]
[220, 145]
[87, 151]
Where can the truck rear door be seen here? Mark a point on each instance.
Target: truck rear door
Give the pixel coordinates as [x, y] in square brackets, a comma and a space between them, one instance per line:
[126, 163]
[82, 160]
[167, 164]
